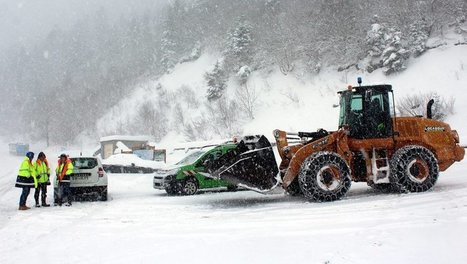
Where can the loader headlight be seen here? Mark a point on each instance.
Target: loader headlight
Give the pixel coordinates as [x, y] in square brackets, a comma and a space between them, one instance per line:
[455, 135]
[276, 133]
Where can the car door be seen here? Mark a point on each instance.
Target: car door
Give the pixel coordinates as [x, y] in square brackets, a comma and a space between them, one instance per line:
[209, 157]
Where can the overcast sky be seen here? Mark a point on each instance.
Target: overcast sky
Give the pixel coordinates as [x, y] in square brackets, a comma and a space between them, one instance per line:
[27, 20]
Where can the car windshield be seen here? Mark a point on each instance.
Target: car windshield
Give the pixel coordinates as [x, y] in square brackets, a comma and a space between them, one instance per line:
[84, 163]
[190, 158]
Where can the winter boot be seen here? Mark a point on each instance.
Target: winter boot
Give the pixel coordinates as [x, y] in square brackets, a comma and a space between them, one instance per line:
[44, 203]
[23, 207]
[38, 205]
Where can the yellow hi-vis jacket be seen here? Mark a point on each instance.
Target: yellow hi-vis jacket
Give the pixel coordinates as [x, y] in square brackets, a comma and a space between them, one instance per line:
[26, 174]
[42, 171]
[64, 170]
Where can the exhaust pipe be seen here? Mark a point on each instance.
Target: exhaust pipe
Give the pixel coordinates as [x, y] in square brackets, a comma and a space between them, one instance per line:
[429, 113]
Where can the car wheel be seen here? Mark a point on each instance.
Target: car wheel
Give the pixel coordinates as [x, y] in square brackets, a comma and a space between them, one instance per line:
[172, 189]
[103, 195]
[190, 187]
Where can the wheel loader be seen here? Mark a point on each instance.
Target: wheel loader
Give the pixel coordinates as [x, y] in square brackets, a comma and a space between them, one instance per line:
[371, 144]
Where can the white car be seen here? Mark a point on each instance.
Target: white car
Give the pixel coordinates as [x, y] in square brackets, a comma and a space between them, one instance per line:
[88, 181]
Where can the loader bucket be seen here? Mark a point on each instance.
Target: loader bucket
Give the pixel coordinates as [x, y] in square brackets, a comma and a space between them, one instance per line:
[251, 164]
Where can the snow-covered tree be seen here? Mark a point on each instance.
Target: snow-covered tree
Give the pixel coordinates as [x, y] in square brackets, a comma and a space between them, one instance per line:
[167, 50]
[385, 48]
[419, 31]
[239, 45]
[394, 55]
[216, 82]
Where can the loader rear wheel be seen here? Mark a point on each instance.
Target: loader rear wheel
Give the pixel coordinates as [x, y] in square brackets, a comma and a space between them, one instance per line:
[414, 169]
[324, 176]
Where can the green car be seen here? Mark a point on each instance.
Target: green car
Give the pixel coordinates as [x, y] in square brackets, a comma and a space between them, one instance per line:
[188, 175]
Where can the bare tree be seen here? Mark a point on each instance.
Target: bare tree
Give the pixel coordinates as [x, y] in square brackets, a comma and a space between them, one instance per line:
[415, 105]
[247, 99]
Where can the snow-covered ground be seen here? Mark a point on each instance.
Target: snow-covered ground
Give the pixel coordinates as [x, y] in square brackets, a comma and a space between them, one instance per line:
[142, 225]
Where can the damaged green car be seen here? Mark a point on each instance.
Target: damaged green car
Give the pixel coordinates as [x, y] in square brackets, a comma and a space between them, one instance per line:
[189, 175]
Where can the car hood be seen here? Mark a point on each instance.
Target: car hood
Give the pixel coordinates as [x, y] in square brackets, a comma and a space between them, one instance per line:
[168, 169]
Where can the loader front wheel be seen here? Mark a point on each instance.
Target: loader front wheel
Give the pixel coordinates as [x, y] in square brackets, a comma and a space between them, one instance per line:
[294, 188]
[414, 169]
[324, 176]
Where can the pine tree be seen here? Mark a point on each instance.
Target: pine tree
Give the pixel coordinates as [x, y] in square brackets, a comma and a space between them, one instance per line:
[385, 49]
[419, 31]
[167, 50]
[375, 41]
[216, 81]
[239, 50]
[394, 55]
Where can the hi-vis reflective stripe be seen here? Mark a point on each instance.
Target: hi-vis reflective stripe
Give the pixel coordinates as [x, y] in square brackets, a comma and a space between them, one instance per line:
[25, 183]
[65, 181]
[189, 173]
[24, 170]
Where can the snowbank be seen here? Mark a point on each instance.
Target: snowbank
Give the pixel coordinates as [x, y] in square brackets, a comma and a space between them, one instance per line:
[131, 160]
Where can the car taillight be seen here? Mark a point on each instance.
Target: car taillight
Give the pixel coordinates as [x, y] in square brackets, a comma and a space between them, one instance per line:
[100, 171]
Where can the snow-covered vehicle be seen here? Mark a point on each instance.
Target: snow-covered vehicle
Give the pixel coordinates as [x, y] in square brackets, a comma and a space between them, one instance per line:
[189, 174]
[89, 181]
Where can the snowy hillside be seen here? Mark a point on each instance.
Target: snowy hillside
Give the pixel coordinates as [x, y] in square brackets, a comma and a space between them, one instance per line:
[294, 102]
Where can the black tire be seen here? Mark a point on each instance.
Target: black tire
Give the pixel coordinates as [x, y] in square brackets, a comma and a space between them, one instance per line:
[103, 196]
[172, 189]
[324, 176]
[294, 188]
[232, 188]
[414, 168]
[190, 187]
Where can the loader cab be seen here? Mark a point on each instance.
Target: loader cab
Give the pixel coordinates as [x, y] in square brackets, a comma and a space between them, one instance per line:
[367, 110]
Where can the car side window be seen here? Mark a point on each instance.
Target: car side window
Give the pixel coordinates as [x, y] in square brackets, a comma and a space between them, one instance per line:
[210, 158]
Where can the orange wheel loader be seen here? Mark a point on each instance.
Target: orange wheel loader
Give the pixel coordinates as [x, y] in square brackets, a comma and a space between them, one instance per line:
[371, 144]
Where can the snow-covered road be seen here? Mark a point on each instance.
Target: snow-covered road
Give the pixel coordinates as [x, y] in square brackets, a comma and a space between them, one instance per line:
[142, 225]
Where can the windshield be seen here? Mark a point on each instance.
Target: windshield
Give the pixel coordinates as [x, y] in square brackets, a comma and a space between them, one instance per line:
[190, 158]
[84, 163]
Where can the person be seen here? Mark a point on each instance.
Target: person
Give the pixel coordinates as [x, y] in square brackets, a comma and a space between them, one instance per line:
[63, 171]
[377, 118]
[26, 179]
[42, 175]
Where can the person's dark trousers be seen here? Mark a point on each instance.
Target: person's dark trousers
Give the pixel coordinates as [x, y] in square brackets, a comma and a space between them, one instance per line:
[64, 192]
[24, 196]
[41, 188]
